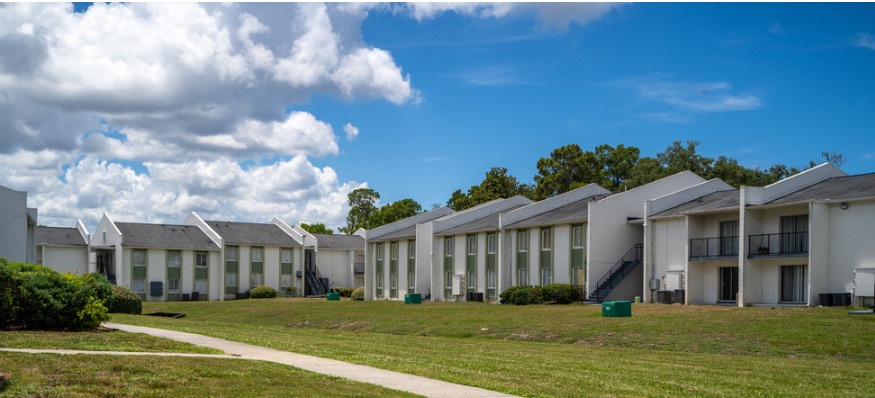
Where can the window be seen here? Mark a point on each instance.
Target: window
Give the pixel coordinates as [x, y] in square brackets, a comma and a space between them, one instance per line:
[173, 285]
[379, 282]
[231, 279]
[448, 280]
[523, 277]
[411, 280]
[200, 286]
[139, 258]
[104, 237]
[256, 280]
[577, 237]
[794, 234]
[286, 256]
[448, 247]
[472, 279]
[546, 276]
[231, 253]
[139, 285]
[173, 259]
[522, 241]
[793, 283]
[728, 283]
[411, 249]
[490, 244]
[379, 252]
[577, 276]
[257, 254]
[393, 250]
[285, 280]
[472, 245]
[546, 239]
[200, 259]
[490, 279]
[39, 255]
[393, 280]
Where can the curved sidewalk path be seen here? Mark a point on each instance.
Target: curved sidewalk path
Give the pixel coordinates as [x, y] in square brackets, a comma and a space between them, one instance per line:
[365, 374]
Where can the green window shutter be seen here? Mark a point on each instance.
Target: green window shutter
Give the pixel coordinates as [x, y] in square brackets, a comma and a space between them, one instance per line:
[231, 266]
[257, 268]
[200, 273]
[173, 273]
[139, 272]
[522, 260]
[230, 289]
[286, 268]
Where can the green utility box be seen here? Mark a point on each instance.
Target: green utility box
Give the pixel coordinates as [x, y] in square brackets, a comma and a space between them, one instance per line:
[617, 308]
[413, 298]
[333, 296]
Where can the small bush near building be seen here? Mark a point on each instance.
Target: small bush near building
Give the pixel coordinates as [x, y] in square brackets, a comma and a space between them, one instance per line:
[262, 292]
[358, 294]
[522, 295]
[344, 291]
[290, 291]
[559, 293]
[124, 301]
[36, 297]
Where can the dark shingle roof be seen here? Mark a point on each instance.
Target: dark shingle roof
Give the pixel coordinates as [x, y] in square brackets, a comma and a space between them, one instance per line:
[244, 233]
[59, 236]
[487, 223]
[721, 200]
[571, 213]
[165, 236]
[351, 242]
[847, 187]
[405, 233]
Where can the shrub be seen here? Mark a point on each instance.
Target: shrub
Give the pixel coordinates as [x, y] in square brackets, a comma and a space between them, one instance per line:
[559, 293]
[521, 295]
[36, 297]
[262, 292]
[358, 294]
[344, 291]
[291, 290]
[124, 301]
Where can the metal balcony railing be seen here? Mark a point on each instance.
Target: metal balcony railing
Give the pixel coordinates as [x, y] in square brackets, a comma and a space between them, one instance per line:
[778, 244]
[725, 246]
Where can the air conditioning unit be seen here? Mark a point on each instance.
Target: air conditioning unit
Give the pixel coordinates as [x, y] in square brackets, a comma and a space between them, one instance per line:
[655, 284]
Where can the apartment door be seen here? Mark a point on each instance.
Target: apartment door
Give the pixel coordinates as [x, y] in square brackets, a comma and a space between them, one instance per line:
[793, 283]
[794, 234]
[729, 238]
[728, 284]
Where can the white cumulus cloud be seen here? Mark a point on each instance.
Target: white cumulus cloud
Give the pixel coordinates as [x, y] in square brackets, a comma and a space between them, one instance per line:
[351, 131]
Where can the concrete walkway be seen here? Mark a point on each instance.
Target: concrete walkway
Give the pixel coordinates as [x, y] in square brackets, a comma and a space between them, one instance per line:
[365, 374]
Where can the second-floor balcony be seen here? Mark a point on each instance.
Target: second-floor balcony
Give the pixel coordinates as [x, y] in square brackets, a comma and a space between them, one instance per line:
[788, 244]
[714, 248]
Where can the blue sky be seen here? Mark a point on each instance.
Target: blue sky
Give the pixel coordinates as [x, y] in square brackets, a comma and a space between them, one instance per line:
[242, 111]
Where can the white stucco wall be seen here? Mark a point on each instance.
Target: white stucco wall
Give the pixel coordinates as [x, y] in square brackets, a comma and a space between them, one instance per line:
[851, 242]
[65, 259]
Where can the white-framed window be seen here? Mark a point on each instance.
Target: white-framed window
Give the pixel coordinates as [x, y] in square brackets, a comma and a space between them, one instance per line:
[472, 245]
[173, 285]
[200, 259]
[256, 280]
[379, 252]
[286, 256]
[139, 259]
[522, 241]
[231, 279]
[448, 278]
[490, 279]
[523, 277]
[546, 239]
[448, 246]
[39, 255]
[411, 280]
[104, 237]
[138, 285]
[490, 244]
[411, 249]
[546, 276]
[393, 281]
[472, 279]
[285, 280]
[379, 281]
[232, 253]
[200, 286]
[257, 254]
[577, 237]
[393, 250]
[173, 259]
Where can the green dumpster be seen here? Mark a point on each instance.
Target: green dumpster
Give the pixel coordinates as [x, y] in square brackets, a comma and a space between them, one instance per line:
[413, 298]
[617, 308]
[333, 296]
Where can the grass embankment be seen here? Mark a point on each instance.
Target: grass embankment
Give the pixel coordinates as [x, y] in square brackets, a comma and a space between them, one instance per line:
[96, 340]
[563, 350]
[116, 376]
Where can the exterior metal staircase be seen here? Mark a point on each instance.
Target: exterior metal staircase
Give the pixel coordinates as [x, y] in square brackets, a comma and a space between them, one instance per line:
[316, 284]
[617, 274]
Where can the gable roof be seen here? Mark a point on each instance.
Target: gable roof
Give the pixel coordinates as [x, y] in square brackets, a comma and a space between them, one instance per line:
[568, 214]
[409, 232]
[59, 236]
[846, 187]
[720, 200]
[165, 236]
[244, 233]
[486, 223]
[337, 241]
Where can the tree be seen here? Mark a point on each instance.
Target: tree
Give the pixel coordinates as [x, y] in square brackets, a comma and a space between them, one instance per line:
[676, 159]
[395, 211]
[362, 203]
[645, 171]
[836, 159]
[497, 184]
[615, 165]
[557, 173]
[318, 228]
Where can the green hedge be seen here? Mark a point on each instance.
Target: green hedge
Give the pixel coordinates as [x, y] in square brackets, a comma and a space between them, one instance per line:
[358, 294]
[36, 297]
[559, 293]
[344, 291]
[124, 301]
[521, 295]
[262, 292]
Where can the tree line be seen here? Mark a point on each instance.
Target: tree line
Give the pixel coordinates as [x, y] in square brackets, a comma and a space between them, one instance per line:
[569, 167]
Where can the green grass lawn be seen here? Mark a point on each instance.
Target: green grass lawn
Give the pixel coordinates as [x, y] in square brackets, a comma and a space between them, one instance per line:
[96, 340]
[50, 375]
[563, 350]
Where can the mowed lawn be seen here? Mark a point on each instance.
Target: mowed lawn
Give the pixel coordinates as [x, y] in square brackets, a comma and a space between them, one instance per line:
[562, 350]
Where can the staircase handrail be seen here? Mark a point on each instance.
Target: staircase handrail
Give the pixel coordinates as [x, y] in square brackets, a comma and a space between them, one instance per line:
[637, 251]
